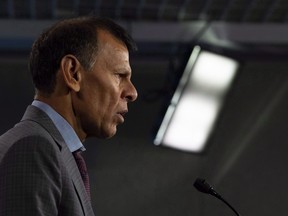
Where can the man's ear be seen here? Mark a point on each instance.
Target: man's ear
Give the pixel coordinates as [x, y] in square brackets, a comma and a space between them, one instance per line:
[71, 70]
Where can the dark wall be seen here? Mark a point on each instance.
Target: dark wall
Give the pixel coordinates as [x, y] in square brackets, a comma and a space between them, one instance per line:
[16, 91]
[245, 160]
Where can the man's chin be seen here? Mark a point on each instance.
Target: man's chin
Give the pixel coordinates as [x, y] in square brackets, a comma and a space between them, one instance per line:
[108, 134]
[112, 134]
[104, 133]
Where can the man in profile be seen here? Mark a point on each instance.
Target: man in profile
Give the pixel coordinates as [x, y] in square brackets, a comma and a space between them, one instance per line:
[82, 77]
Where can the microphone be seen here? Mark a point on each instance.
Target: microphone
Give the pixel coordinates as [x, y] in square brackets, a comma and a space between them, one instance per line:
[202, 186]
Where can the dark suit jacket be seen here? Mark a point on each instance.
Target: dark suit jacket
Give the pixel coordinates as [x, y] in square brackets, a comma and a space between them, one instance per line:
[38, 173]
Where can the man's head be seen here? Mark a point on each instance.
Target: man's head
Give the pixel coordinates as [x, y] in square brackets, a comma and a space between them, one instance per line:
[78, 37]
[83, 65]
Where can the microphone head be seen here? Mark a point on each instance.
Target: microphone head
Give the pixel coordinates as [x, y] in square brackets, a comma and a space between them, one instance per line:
[202, 186]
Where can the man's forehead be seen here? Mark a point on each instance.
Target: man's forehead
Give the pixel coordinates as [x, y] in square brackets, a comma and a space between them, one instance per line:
[106, 37]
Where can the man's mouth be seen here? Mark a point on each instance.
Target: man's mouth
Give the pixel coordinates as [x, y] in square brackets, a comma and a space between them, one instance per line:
[122, 115]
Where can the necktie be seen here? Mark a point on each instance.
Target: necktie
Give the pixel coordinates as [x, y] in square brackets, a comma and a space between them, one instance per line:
[83, 170]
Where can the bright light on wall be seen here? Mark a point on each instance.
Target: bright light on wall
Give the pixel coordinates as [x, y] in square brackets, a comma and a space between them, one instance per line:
[196, 103]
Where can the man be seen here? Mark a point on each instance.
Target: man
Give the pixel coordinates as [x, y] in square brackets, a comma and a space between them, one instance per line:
[82, 76]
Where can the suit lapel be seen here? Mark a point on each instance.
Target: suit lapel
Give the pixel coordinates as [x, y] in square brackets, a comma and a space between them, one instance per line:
[34, 114]
[77, 180]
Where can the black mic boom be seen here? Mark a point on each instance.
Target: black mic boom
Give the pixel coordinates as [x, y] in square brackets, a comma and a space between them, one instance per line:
[204, 187]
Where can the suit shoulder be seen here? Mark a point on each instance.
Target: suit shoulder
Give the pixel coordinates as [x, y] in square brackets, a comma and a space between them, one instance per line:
[24, 129]
[26, 133]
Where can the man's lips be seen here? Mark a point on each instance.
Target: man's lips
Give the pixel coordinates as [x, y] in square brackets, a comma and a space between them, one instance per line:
[122, 114]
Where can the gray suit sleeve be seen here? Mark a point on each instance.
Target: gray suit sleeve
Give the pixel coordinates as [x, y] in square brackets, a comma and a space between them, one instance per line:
[30, 178]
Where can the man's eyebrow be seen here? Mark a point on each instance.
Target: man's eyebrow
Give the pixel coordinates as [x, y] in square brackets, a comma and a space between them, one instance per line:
[126, 70]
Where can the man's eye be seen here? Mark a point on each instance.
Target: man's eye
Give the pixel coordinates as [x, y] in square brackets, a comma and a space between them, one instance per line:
[120, 75]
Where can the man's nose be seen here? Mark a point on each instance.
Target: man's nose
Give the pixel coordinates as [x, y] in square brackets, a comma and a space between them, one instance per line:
[131, 93]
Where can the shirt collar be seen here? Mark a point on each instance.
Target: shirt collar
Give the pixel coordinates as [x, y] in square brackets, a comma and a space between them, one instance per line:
[70, 137]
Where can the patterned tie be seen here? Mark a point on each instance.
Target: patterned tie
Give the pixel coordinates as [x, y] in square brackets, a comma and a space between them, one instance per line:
[83, 170]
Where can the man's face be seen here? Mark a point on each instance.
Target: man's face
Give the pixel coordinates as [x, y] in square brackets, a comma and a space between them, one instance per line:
[105, 90]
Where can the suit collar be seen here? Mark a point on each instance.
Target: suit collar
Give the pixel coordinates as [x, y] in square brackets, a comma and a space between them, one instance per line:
[35, 114]
[66, 130]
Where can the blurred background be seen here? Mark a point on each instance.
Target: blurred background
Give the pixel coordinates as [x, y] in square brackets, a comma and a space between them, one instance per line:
[245, 155]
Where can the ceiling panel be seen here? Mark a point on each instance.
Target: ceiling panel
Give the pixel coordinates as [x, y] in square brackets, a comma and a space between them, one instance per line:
[240, 11]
